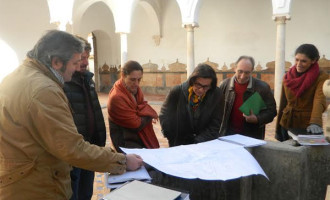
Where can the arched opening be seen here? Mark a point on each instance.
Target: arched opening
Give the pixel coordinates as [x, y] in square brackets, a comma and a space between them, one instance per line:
[154, 19]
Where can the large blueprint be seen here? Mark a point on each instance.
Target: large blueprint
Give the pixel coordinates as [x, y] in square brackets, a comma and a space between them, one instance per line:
[213, 160]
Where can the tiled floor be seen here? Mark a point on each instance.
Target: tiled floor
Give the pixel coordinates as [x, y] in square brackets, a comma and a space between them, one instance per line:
[155, 101]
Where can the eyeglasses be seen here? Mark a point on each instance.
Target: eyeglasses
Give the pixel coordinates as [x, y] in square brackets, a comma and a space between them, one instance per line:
[199, 86]
[245, 72]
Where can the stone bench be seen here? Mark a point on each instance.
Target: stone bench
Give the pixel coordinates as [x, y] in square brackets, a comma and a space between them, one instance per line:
[295, 173]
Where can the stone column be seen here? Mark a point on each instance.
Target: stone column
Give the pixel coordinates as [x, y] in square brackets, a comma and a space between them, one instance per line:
[190, 49]
[96, 65]
[280, 57]
[123, 48]
[326, 126]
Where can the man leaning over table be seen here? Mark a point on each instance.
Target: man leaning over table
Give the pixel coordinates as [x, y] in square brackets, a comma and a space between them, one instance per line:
[39, 141]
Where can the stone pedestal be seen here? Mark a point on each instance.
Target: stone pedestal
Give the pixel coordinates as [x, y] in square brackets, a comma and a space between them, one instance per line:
[294, 172]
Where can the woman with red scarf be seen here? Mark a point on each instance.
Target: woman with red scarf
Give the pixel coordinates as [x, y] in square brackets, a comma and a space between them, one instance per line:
[302, 100]
[130, 116]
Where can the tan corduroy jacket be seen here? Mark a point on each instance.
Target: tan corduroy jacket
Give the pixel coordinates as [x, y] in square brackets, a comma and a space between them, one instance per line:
[38, 138]
[305, 110]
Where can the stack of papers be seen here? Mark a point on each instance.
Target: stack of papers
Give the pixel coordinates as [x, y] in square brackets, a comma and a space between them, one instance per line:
[309, 139]
[114, 181]
[144, 191]
[242, 140]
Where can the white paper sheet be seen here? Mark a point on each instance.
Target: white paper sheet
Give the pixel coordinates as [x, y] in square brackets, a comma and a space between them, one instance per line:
[137, 190]
[114, 181]
[243, 140]
[213, 160]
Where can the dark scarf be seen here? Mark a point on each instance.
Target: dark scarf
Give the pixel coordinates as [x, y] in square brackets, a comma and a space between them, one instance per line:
[298, 83]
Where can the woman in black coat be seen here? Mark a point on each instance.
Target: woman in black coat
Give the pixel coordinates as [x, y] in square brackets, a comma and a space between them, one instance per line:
[191, 111]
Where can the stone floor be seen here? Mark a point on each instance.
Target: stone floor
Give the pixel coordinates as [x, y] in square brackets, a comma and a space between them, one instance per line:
[155, 101]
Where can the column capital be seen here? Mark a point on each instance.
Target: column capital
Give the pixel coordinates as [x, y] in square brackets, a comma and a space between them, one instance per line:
[190, 26]
[156, 39]
[122, 33]
[281, 19]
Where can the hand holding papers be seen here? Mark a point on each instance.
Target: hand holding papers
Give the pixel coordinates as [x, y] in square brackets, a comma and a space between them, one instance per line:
[133, 162]
[309, 139]
[114, 181]
[254, 103]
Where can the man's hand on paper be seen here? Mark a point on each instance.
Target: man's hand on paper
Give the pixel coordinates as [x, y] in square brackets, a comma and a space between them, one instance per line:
[314, 129]
[133, 162]
[252, 118]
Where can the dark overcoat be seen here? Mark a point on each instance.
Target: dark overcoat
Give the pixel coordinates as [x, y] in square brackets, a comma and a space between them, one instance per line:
[180, 125]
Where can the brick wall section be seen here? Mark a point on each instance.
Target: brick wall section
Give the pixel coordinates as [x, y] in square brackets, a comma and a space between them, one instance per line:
[161, 81]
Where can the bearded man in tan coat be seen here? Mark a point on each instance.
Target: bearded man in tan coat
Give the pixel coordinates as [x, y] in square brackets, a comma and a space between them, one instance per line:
[39, 141]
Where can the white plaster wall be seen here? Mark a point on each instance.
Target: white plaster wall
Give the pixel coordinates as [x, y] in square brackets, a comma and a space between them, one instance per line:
[228, 29]
[22, 23]
[98, 18]
[141, 46]
[105, 47]
[310, 23]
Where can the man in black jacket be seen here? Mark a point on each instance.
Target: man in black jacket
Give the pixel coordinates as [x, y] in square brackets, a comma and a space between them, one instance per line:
[235, 91]
[88, 118]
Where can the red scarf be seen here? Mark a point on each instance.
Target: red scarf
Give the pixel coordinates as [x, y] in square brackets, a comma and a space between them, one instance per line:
[121, 99]
[299, 83]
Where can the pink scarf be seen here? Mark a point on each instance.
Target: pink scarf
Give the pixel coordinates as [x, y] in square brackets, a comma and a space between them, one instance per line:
[299, 83]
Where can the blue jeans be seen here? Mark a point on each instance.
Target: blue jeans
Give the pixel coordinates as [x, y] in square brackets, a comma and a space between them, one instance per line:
[82, 182]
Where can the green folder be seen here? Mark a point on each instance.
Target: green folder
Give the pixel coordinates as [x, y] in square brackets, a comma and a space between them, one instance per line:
[254, 103]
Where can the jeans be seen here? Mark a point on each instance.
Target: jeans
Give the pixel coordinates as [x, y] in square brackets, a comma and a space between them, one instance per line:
[82, 182]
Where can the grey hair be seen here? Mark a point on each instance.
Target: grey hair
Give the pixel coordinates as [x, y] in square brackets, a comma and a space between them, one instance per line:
[88, 46]
[56, 43]
[248, 58]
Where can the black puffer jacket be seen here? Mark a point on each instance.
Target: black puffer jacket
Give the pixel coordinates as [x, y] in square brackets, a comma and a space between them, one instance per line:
[180, 126]
[75, 93]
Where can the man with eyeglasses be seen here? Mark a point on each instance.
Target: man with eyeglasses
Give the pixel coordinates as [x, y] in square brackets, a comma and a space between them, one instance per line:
[235, 91]
[191, 111]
